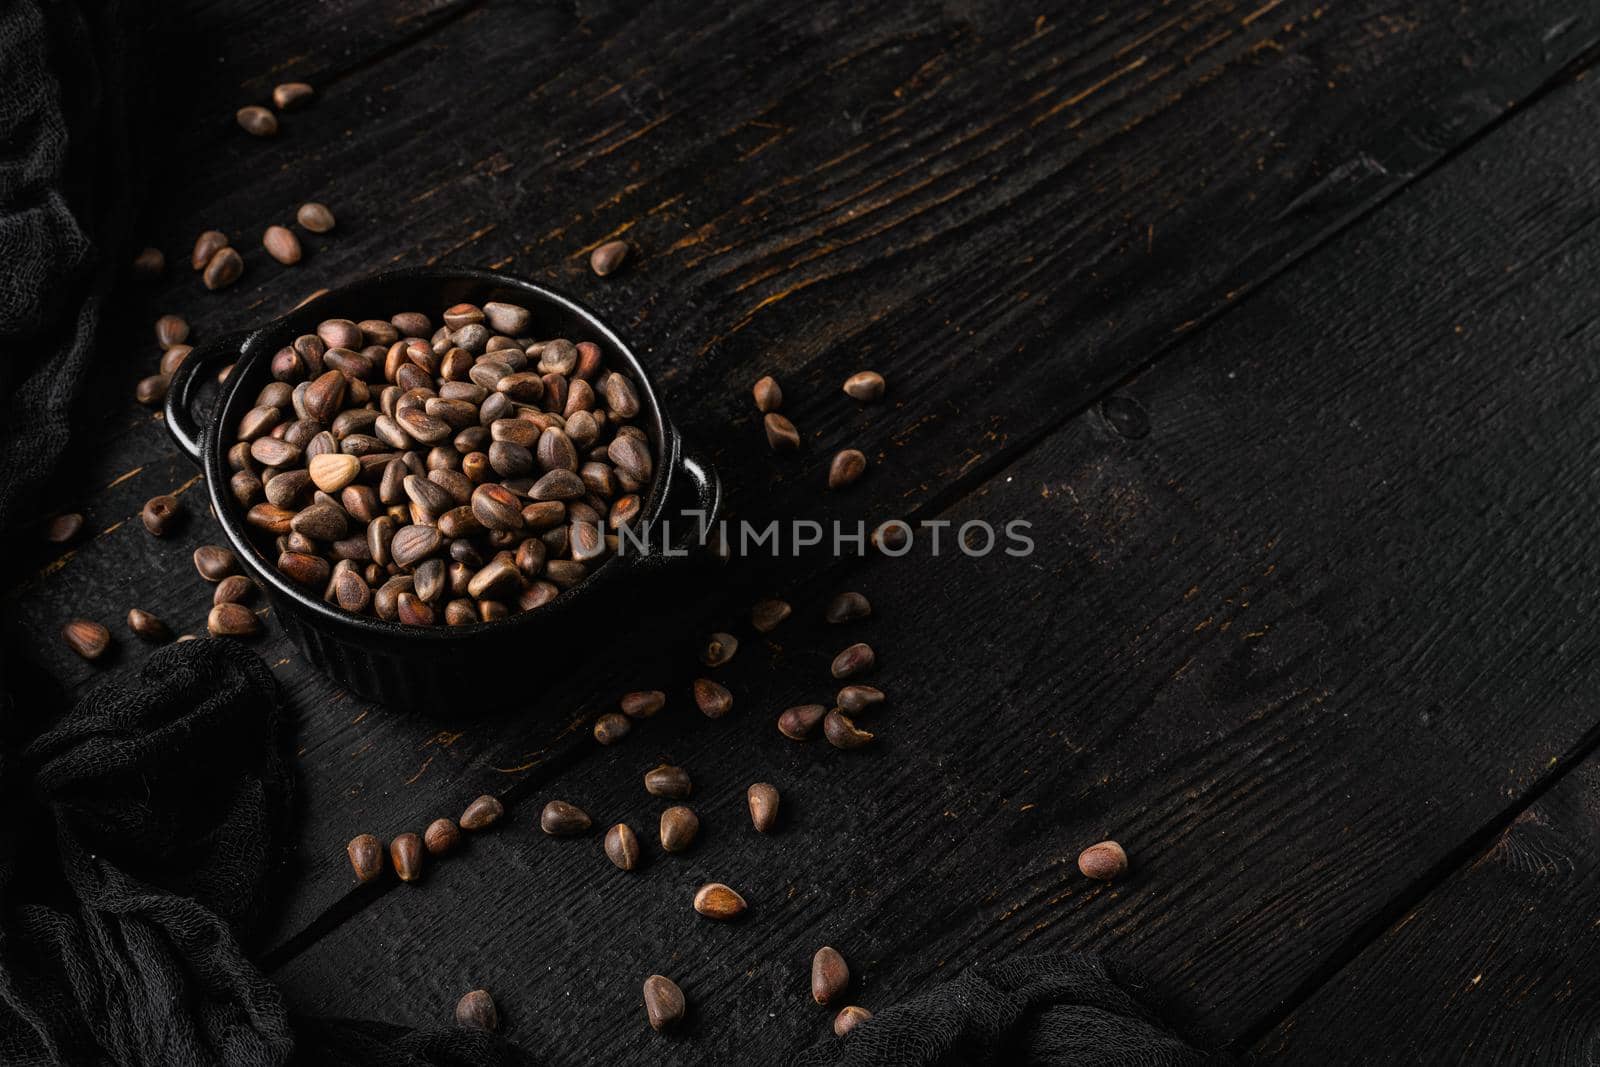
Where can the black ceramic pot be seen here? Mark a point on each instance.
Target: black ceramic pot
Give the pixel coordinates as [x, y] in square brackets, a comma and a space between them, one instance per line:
[434, 667]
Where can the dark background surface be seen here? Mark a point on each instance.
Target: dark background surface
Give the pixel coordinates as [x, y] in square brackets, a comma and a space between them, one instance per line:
[1277, 320]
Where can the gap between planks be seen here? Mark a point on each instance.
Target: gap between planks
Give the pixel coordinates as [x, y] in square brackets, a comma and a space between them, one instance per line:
[1397, 909]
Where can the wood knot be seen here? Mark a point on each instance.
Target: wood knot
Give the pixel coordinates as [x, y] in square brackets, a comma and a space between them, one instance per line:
[1126, 417]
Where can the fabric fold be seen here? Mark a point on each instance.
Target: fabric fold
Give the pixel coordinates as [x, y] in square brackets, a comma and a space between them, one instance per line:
[167, 805]
[1038, 1011]
[154, 815]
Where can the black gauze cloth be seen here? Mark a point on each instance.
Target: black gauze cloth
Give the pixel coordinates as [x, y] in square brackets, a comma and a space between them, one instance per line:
[64, 202]
[143, 829]
[1039, 1011]
[147, 820]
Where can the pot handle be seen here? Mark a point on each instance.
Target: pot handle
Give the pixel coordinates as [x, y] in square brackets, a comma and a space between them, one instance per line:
[689, 511]
[181, 421]
[704, 483]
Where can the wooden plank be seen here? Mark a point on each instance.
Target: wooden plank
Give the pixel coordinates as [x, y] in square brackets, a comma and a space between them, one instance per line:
[852, 186]
[1494, 966]
[1308, 609]
[255, 46]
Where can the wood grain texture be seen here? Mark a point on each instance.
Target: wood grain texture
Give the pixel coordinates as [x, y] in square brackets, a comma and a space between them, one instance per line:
[1494, 966]
[1002, 213]
[1301, 620]
[962, 171]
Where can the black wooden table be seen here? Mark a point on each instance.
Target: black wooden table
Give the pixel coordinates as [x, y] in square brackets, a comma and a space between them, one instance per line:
[1276, 319]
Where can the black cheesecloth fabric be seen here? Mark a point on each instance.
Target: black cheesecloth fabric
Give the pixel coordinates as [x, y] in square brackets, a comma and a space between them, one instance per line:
[1036, 1011]
[142, 826]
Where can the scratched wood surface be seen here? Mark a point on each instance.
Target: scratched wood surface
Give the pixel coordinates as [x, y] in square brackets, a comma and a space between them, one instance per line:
[1006, 214]
[1294, 686]
[1494, 966]
[988, 362]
